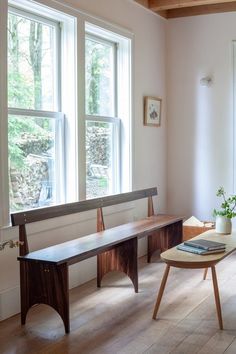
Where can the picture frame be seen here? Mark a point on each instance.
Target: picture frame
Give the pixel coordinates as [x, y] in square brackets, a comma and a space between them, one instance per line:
[152, 111]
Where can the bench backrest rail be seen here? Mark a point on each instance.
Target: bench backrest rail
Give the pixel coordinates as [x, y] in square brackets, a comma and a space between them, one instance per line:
[22, 218]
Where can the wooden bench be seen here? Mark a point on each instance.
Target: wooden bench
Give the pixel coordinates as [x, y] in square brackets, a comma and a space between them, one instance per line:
[44, 273]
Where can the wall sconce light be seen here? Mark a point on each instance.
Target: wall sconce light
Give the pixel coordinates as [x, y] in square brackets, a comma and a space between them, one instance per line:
[206, 81]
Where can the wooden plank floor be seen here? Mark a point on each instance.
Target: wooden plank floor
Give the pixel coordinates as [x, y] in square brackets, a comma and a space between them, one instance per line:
[114, 319]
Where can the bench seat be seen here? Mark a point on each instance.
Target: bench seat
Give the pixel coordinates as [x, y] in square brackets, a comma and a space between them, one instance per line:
[74, 251]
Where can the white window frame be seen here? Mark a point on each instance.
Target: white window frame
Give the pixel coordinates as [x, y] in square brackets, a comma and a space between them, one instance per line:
[74, 23]
[115, 186]
[56, 116]
[122, 153]
[234, 112]
[70, 29]
[4, 194]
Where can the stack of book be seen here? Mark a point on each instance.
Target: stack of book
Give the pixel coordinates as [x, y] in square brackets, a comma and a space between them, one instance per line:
[202, 246]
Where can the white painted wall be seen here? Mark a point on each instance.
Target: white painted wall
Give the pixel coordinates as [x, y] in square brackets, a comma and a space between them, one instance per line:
[149, 154]
[200, 119]
[199, 157]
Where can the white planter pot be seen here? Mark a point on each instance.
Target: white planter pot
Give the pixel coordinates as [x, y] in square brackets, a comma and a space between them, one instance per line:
[223, 225]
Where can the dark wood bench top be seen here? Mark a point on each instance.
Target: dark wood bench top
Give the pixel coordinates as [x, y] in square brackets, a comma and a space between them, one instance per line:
[74, 251]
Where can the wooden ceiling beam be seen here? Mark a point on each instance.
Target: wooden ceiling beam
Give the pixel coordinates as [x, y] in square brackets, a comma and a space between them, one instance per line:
[144, 3]
[163, 13]
[160, 5]
[183, 8]
[201, 10]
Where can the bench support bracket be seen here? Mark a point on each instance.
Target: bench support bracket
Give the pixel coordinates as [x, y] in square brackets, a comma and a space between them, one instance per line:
[124, 258]
[169, 236]
[45, 283]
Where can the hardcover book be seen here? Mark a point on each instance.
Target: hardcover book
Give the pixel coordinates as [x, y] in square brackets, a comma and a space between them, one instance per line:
[205, 244]
[197, 250]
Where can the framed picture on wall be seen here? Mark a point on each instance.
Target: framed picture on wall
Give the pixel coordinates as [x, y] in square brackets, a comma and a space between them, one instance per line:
[152, 111]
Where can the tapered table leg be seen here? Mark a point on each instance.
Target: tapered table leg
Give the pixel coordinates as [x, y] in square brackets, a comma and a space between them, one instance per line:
[161, 291]
[217, 297]
[205, 273]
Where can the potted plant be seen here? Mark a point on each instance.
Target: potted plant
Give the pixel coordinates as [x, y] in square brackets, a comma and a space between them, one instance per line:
[226, 213]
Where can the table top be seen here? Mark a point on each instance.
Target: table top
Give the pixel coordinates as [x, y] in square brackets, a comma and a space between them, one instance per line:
[182, 259]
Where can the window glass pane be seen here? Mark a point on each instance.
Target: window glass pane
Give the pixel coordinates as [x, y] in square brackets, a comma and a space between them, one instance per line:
[98, 159]
[99, 78]
[31, 162]
[31, 64]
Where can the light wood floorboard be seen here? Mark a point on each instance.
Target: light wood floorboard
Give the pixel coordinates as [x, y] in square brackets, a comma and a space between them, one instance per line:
[114, 319]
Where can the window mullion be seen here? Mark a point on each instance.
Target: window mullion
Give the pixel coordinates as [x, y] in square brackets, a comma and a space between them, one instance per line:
[80, 153]
[99, 39]
[4, 189]
[116, 79]
[116, 160]
[102, 119]
[35, 113]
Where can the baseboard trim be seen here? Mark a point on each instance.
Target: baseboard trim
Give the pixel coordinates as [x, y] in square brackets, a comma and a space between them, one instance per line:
[9, 302]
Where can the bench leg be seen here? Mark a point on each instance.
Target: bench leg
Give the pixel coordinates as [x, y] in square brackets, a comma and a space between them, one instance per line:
[167, 237]
[217, 297]
[45, 284]
[154, 244]
[161, 291]
[123, 258]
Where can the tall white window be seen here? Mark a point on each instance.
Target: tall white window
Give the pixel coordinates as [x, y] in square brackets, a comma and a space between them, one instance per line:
[69, 107]
[102, 124]
[107, 63]
[35, 123]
